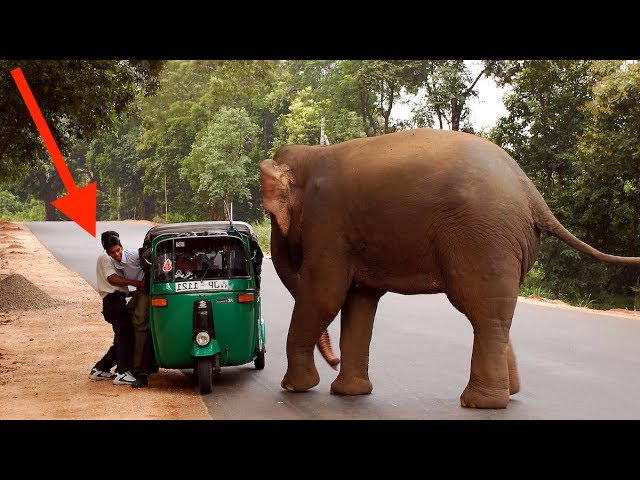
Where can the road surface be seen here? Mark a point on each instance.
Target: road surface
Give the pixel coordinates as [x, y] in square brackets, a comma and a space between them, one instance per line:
[573, 365]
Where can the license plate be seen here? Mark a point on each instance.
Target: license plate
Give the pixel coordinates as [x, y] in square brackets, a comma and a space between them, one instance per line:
[202, 285]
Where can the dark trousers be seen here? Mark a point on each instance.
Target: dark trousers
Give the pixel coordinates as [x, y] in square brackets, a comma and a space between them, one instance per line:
[144, 358]
[120, 354]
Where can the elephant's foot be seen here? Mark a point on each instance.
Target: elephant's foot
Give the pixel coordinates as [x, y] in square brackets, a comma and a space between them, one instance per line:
[351, 386]
[300, 381]
[494, 398]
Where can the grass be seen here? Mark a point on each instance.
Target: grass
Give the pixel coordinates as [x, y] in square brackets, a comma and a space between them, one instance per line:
[598, 302]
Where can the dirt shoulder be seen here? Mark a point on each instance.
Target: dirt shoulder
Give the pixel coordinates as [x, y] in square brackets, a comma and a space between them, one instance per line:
[46, 354]
[617, 312]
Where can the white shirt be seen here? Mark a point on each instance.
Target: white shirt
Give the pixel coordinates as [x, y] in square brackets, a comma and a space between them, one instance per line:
[104, 269]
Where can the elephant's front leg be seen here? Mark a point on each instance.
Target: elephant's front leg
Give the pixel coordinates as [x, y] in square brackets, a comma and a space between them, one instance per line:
[356, 326]
[315, 308]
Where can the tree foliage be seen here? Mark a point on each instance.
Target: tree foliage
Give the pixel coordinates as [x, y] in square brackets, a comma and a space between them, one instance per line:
[191, 94]
[608, 193]
[446, 87]
[115, 164]
[548, 115]
[219, 167]
[78, 98]
[306, 117]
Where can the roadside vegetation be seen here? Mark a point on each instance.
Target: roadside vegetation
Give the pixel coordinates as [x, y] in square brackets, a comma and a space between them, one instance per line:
[263, 232]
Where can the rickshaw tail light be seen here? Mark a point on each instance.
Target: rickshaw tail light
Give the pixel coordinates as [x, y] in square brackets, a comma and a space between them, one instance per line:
[159, 302]
[245, 297]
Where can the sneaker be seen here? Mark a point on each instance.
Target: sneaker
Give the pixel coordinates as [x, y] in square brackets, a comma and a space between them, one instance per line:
[101, 375]
[141, 382]
[125, 378]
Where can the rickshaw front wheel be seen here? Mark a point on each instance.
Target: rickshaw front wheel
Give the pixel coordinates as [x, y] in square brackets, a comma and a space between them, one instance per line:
[204, 368]
[259, 360]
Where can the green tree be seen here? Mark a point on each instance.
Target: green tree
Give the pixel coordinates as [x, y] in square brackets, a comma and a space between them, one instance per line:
[302, 124]
[191, 93]
[115, 163]
[608, 191]
[305, 92]
[170, 121]
[547, 116]
[219, 168]
[78, 99]
[382, 80]
[447, 86]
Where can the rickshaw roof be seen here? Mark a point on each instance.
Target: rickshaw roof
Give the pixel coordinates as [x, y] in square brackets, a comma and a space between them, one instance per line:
[198, 228]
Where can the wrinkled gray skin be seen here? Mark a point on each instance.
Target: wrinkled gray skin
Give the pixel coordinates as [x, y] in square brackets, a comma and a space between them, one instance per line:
[418, 211]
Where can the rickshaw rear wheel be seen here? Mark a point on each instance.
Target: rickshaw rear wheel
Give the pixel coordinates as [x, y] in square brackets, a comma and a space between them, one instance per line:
[204, 368]
[259, 360]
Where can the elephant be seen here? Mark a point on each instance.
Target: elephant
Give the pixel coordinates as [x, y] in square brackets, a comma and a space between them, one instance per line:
[344, 218]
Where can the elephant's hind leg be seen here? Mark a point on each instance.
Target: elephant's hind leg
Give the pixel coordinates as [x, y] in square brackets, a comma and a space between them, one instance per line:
[494, 374]
[356, 326]
[514, 377]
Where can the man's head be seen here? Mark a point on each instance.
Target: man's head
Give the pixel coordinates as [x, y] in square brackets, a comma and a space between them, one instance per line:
[111, 243]
[105, 236]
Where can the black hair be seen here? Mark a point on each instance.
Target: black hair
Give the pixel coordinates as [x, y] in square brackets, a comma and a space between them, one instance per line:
[109, 239]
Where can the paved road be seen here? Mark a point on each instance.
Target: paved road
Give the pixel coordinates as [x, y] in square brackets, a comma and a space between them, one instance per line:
[573, 365]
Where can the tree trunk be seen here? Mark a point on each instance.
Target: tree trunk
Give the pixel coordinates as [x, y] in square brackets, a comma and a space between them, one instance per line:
[48, 196]
[365, 114]
[49, 211]
[456, 113]
[549, 183]
[387, 113]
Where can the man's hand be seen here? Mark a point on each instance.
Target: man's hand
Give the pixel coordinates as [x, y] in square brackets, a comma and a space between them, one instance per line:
[118, 280]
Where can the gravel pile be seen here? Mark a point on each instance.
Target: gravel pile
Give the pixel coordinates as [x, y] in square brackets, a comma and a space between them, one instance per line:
[18, 293]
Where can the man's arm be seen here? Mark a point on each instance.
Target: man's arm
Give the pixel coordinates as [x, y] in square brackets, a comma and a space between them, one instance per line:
[115, 279]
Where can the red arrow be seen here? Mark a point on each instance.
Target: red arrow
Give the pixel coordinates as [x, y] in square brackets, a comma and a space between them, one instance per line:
[79, 204]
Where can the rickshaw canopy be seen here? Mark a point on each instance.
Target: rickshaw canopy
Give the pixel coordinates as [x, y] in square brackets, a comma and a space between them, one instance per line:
[198, 228]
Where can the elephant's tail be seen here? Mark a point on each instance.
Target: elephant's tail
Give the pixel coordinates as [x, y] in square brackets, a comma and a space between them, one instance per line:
[324, 345]
[549, 224]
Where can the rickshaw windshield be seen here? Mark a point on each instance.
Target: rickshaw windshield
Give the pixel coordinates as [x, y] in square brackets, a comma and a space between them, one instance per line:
[199, 258]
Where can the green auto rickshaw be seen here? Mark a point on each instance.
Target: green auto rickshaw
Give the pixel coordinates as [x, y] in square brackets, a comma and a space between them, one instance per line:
[204, 287]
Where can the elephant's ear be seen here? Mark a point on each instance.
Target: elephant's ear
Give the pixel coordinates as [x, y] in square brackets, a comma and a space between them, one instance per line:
[277, 180]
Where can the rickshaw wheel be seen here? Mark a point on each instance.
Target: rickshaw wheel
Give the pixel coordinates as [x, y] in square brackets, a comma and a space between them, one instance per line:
[259, 360]
[205, 374]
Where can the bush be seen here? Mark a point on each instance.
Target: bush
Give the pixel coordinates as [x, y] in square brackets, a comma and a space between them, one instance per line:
[9, 205]
[33, 211]
[11, 208]
[263, 232]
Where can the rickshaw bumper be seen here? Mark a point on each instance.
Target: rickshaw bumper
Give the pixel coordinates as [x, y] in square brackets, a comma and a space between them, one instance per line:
[208, 350]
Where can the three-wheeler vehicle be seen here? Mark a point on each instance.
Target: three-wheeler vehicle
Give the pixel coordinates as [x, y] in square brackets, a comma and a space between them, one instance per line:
[204, 287]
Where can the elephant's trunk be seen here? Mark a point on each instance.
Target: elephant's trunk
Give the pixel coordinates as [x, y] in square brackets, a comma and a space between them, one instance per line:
[324, 345]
